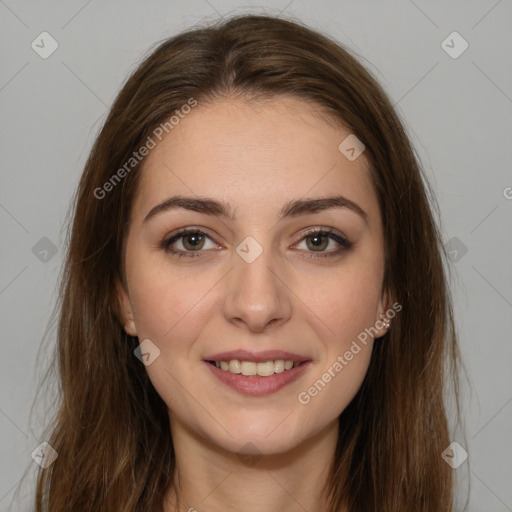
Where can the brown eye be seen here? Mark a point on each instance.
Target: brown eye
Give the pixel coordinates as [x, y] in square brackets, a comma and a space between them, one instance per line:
[193, 241]
[318, 241]
[188, 242]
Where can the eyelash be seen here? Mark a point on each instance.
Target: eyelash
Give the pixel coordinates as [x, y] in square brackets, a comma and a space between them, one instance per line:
[344, 243]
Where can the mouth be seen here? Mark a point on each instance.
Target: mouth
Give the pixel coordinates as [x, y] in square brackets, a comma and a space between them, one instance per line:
[252, 368]
[259, 373]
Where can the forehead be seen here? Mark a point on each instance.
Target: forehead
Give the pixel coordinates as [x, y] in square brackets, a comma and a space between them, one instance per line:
[256, 155]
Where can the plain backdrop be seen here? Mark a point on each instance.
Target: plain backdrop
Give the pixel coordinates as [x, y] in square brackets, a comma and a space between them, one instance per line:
[456, 103]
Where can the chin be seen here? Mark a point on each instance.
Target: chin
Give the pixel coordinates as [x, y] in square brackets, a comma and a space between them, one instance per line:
[268, 436]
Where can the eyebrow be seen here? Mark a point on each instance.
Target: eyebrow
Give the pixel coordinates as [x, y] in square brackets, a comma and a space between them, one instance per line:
[295, 208]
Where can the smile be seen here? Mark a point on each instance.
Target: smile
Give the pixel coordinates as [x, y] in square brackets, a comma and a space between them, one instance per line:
[253, 383]
[248, 368]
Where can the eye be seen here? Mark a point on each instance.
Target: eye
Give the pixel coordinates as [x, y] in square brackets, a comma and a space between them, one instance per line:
[318, 240]
[192, 240]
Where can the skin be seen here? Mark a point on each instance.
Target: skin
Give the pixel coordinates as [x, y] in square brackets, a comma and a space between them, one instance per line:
[256, 156]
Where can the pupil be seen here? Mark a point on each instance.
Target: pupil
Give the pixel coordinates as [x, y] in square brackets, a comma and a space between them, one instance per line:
[194, 239]
[317, 240]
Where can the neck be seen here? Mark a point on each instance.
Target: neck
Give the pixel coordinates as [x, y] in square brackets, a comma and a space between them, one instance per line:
[210, 478]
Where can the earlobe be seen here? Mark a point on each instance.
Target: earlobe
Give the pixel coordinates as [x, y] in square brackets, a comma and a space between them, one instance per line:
[126, 310]
[383, 322]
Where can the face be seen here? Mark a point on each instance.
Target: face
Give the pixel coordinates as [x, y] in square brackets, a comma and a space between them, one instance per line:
[274, 277]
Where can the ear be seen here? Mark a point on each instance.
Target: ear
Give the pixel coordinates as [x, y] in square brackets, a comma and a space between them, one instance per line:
[125, 308]
[383, 322]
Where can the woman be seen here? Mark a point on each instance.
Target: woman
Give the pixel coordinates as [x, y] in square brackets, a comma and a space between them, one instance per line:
[254, 310]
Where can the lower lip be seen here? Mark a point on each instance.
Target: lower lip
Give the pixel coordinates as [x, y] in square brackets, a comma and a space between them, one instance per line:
[256, 385]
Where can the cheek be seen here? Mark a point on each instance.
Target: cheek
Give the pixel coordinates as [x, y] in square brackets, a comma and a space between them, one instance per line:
[163, 299]
[337, 377]
[343, 308]
[172, 310]
[344, 303]
[334, 387]
[172, 313]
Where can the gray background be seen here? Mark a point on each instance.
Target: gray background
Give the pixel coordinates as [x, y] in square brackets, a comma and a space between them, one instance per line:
[457, 111]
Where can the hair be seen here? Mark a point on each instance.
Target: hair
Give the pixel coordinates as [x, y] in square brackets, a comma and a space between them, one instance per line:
[111, 429]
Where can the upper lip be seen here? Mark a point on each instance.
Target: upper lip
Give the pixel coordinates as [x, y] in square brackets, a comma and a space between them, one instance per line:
[257, 357]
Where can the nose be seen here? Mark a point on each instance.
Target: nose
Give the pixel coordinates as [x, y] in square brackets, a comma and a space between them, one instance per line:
[257, 293]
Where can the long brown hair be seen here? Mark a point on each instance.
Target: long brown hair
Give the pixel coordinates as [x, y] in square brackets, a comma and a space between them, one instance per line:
[111, 430]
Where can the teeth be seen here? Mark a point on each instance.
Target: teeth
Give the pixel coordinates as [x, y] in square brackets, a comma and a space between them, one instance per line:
[235, 366]
[265, 369]
[248, 368]
[279, 366]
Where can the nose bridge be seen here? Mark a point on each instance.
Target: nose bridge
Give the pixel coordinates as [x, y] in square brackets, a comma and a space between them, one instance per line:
[256, 293]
